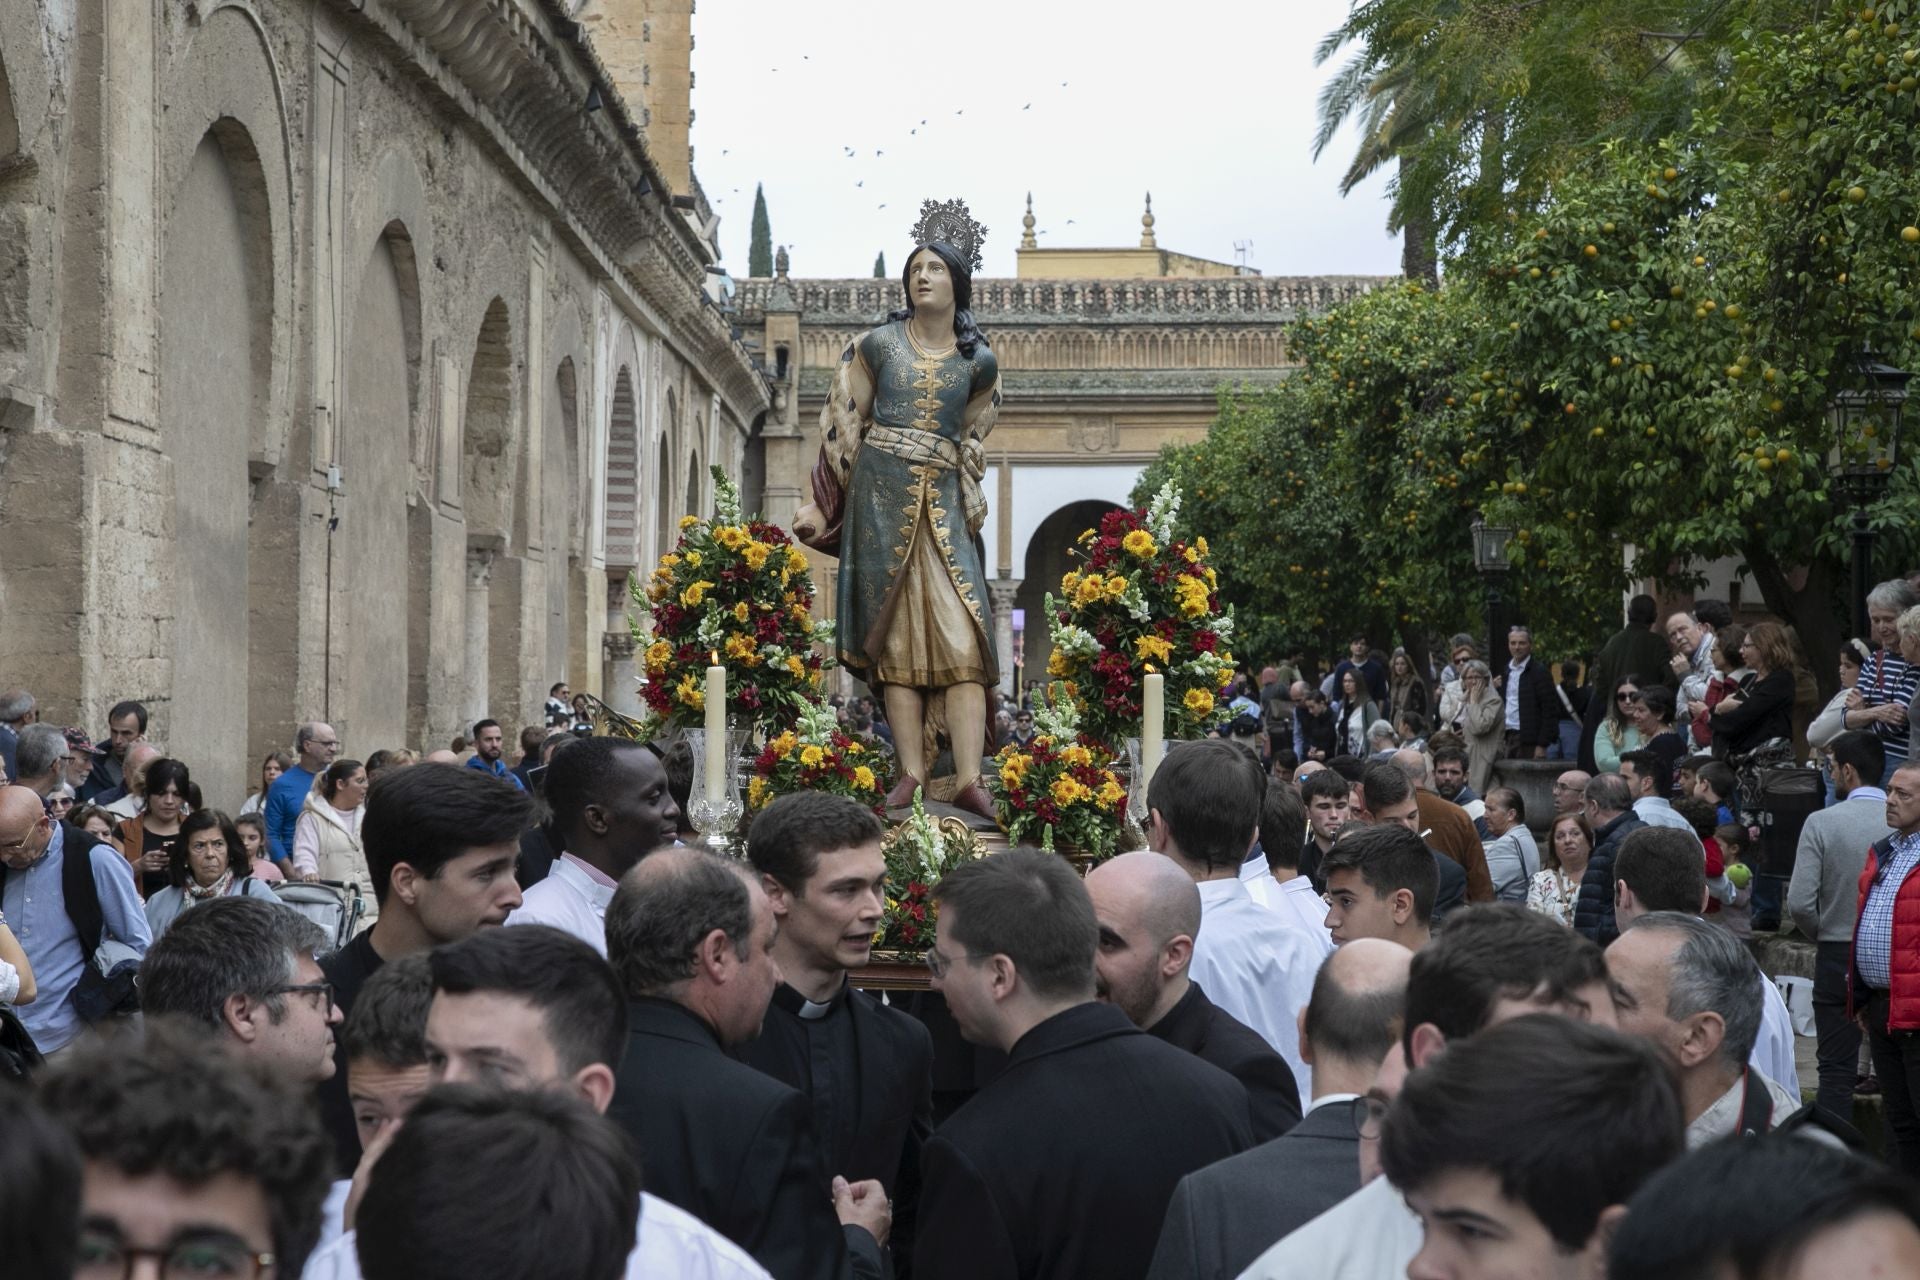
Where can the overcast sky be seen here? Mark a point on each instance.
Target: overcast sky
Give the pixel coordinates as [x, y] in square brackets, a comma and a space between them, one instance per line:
[1207, 103]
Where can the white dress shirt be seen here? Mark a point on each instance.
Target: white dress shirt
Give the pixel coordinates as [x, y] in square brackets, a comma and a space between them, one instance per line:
[1772, 1054]
[1295, 902]
[1514, 671]
[672, 1245]
[1371, 1235]
[1257, 967]
[573, 898]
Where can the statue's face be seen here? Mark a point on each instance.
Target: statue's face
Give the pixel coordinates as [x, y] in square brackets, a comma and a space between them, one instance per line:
[929, 283]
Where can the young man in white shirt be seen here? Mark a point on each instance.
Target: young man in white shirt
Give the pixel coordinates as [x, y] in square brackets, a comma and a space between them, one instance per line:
[611, 805]
[1204, 812]
[1273, 879]
[529, 1009]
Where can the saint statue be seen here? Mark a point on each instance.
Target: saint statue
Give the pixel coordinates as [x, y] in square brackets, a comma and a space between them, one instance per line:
[896, 495]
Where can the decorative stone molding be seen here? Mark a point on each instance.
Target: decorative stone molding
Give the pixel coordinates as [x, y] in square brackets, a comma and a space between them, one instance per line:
[617, 645]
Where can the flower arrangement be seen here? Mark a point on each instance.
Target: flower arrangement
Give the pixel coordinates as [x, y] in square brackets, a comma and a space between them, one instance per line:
[815, 756]
[1060, 787]
[919, 851]
[737, 592]
[1145, 601]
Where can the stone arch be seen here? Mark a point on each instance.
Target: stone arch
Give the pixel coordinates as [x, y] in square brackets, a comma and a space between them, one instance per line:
[487, 432]
[369, 686]
[623, 475]
[693, 505]
[666, 517]
[9, 119]
[216, 304]
[1045, 563]
[560, 496]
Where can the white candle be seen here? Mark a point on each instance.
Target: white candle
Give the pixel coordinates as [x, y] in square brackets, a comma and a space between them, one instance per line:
[1153, 720]
[716, 731]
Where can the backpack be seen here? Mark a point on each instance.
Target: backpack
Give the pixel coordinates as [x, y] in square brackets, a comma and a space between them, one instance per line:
[98, 995]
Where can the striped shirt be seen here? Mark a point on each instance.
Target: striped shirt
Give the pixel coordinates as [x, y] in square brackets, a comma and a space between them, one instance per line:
[1888, 677]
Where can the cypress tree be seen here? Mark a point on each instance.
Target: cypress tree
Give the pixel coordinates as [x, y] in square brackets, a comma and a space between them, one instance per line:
[880, 265]
[760, 248]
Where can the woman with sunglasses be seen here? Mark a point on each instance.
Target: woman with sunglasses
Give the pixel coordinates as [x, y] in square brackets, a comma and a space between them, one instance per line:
[208, 862]
[1619, 732]
[60, 802]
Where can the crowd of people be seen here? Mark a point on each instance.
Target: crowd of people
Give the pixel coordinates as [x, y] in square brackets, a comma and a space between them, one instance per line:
[1358, 1009]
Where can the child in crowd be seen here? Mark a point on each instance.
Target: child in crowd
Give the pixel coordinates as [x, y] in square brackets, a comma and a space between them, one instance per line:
[253, 834]
[1736, 845]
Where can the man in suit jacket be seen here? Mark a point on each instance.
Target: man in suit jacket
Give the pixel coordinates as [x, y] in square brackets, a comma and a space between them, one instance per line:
[690, 936]
[1227, 1214]
[1063, 1165]
[1149, 912]
[866, 1067]
[1533, 708]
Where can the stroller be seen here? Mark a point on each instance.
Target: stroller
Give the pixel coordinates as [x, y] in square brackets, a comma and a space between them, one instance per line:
[332, 904]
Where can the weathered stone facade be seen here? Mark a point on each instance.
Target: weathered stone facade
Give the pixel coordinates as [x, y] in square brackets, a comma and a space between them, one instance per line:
[1098, 374]
[351, 353]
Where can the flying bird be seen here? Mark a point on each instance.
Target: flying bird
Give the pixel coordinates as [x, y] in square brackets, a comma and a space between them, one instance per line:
[1028, 107]
[962, 111]
[879, 153]
[861, 183]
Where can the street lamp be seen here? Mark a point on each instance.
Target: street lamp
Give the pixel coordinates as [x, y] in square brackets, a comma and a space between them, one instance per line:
[1490, 558]
[1865, 424]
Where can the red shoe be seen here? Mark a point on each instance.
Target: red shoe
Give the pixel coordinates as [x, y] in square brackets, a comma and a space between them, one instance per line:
[901, 796]
[974, 799]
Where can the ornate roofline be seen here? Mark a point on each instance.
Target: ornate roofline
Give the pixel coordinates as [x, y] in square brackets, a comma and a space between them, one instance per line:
[1237, 300]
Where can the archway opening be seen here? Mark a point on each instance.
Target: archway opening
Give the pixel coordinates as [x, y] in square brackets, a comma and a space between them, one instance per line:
[488, 464]
[623, 474]
[1050, 553]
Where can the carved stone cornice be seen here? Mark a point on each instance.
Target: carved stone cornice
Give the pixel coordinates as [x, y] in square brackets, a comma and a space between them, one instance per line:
[860, 303]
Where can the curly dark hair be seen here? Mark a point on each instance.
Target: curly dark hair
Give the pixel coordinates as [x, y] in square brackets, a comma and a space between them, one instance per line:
[177, 1105]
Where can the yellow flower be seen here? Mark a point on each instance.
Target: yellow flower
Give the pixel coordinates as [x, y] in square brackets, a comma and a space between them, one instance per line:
[1068, 791]
[730, 536]
[1076, 755]
[669, 560]
[1212, 581]
[784, 744]
[687, 522]
[796, 560]
[1117, 587]
[690, 694]
[1139, 543]
[756, 792]
[695, 594]
[801, 616]
[1199, 702]
[1070, 583]
[1191, 556]
[1057, 663]
[863, 778]
[1225, 677]
[811, 756]
[1044, 740]
[693, 559]
[1110, 794]
[1092, 588]
[755, 554]
[1192, 597]
[1152, 647]
[854, 748]
[741, 647]
[659, 654]
[1202, 544]
[796, 665]
[741, 613]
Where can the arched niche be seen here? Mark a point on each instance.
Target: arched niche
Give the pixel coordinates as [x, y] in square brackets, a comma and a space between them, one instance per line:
[623, 475]
[487, 433]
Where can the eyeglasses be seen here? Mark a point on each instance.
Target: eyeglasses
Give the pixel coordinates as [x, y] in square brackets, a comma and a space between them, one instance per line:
[103, 1256]
[1367, 1115]
[322, 989]
[1626, 695]
[941, 965]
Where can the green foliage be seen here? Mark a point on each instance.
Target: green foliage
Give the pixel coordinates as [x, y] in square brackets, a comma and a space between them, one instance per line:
[1632, 370]
[760, 246]
[880, 265]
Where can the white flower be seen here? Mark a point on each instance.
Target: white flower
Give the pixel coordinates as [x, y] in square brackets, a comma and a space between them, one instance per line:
[1162, 513]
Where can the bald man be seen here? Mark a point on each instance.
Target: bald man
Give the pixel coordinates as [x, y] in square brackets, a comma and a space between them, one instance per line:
[1149, 912]
[442, 756]
[1226, 1215]
[62, 893]
[129, 799]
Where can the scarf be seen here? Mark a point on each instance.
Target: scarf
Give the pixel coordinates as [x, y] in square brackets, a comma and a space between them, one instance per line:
[217, 889]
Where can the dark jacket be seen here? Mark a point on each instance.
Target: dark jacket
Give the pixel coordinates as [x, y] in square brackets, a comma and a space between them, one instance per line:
[1593, 906]
[886, 1106]
[1211, 1034]
[1453, 885]
[1765, 711]
[1540, 708]
[1224, 1216]
[731, 1146]
[1316, 732]
[1062, 1167]
[1373, 675]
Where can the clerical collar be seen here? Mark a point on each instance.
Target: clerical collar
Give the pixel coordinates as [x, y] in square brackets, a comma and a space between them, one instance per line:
[801, 1007]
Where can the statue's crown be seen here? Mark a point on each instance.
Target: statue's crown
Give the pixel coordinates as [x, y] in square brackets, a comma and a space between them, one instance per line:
[951, 224]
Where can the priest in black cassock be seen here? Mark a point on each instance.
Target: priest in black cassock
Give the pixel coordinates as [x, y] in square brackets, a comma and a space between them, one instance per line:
[865, 1066]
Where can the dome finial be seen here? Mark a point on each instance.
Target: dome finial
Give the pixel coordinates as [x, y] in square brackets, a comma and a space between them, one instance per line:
[1026, 237]
[1146, 226]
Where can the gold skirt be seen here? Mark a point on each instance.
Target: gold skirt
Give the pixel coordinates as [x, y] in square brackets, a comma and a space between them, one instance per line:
[926, 637]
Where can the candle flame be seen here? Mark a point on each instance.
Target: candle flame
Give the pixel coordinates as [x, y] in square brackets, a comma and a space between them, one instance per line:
[713, 657]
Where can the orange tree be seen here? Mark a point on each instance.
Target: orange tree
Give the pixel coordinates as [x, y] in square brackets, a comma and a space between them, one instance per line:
[1632, 370]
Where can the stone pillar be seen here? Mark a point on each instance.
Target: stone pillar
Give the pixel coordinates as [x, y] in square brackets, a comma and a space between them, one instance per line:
[479, 630]
[1003, 591]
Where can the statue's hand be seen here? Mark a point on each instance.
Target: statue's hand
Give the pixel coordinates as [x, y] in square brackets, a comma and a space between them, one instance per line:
[807, 522]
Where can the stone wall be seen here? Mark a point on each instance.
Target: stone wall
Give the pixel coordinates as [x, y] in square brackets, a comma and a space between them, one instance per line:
[311, 321]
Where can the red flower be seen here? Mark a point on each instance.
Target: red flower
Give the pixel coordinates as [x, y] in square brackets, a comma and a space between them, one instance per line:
[1205, 642]
[915, 889]
[918, 911]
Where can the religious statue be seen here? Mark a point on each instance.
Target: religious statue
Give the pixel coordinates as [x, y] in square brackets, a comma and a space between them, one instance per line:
[896, 495]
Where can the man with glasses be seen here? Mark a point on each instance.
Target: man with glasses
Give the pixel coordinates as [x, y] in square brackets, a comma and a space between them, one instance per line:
[192, 1164]
[61, 892]
[244, 970]
[1570, 792]
[40, 759]
[317, 744]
